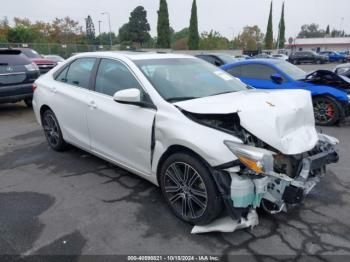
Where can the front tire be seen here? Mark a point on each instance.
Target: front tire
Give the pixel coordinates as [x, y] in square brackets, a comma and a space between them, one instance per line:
[327, 111]
[53, 131]
[189, 189]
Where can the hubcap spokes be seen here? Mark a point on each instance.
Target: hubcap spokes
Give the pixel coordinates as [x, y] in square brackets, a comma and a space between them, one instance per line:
[185, 190]
[324, 112]
[51, 130]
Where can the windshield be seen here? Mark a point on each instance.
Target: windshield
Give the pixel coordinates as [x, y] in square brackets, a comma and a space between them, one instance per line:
[178, 79]
[292, 71]
[30, 53]
[227, 59]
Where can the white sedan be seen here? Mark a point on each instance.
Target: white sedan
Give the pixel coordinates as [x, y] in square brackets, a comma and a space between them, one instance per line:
[205, 138]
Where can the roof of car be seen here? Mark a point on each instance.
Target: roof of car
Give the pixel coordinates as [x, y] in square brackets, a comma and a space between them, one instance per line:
[266, 61]
[135, 55]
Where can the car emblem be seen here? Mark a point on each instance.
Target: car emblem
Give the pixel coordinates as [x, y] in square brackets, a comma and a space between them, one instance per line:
[270, 104]
[9, 69]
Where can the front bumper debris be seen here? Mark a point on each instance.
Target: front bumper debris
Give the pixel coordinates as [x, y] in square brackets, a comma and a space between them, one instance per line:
[226, 224]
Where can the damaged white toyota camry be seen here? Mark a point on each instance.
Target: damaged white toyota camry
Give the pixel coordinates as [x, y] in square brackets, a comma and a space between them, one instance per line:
[209, 141]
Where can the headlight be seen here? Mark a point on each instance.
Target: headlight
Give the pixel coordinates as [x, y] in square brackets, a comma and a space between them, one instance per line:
[257, 159]
[32, 67]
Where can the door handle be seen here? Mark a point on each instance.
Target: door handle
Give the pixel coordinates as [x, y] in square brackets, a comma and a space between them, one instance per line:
[92, 104]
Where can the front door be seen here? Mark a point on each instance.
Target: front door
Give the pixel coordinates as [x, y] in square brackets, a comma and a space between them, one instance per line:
[121, 132]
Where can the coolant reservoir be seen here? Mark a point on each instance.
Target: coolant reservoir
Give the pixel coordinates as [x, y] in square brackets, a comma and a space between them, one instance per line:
[242, 190]
[260, 189]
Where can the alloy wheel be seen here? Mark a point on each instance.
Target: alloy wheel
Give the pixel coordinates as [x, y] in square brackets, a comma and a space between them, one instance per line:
[185, 190]
[324, 111]
[51, 129]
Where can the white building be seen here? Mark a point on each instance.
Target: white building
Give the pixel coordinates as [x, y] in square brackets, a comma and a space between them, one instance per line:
[320, 44]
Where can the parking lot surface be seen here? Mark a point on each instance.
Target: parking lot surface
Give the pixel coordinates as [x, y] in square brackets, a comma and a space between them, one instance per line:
[74, 203]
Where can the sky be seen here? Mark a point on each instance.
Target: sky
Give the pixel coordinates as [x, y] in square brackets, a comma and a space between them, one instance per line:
[226, 16]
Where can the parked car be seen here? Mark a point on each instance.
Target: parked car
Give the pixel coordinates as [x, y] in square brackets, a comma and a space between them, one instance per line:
[217, 59]
[343, 70]
[262, 55]
[347, 54]
[56, 58]
[189, 127]
[334, 56]
[44, 64]
[307, 57]
[241, 57]
[281, 57]
[17, 74]
[329, 91]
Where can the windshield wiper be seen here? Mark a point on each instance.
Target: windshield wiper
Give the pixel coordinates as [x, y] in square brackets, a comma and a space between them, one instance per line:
[180, 98]
[224, 93]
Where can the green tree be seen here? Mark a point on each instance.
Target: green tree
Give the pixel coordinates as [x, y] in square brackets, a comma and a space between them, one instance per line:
[90, 29]
[138, 26]
[269, 32]
[282, 30]
[213, 41]
[328, 30]
[193, 39]
[163, 26]
[250, 39]
[311, 31]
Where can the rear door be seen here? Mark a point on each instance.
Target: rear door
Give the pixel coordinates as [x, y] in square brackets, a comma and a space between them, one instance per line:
[69, 100]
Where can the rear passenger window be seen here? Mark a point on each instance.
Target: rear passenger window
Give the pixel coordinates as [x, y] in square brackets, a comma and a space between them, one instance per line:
[256, 71]
[235, 71]
[62, 77]
[112, 76]
[78, 73]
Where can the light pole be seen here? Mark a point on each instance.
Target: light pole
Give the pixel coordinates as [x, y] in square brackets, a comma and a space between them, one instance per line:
[99, 30]
[109, 23]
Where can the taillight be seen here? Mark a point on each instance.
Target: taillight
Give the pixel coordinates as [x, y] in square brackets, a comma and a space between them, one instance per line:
[34, 86]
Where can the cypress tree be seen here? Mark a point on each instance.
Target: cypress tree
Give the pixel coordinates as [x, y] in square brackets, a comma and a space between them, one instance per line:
[163, 27]
[328, 31]
[282, 30]
[193, 41]
[269, 32]
[90, 29]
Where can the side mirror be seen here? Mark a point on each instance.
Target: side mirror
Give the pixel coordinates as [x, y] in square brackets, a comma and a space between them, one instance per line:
[128, 96]
[277, 78]
[132, 96]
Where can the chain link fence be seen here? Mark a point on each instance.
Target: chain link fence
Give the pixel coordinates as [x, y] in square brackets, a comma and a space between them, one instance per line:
[64, 50]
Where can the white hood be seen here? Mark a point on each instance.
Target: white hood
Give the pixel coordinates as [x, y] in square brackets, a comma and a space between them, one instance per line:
[283, 119]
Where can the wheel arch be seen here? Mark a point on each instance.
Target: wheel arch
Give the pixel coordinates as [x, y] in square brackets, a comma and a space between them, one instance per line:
[173, 149]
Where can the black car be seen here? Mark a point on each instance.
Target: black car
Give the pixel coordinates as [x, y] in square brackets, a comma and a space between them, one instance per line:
[17, 74]
[307, 57]
[217, 59]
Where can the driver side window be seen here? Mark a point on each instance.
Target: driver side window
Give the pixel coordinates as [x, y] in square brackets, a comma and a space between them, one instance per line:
[112, 76]
[257, 71]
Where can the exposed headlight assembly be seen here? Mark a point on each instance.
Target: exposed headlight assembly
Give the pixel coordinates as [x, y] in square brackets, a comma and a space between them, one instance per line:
[257, 159]
[32, 67]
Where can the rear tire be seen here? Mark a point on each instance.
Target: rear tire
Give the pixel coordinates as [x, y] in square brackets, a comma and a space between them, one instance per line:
[189, 189]
[327, 110]
[53, 131]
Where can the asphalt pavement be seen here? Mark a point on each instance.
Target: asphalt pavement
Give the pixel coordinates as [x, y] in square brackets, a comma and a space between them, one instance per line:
[73, 203]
